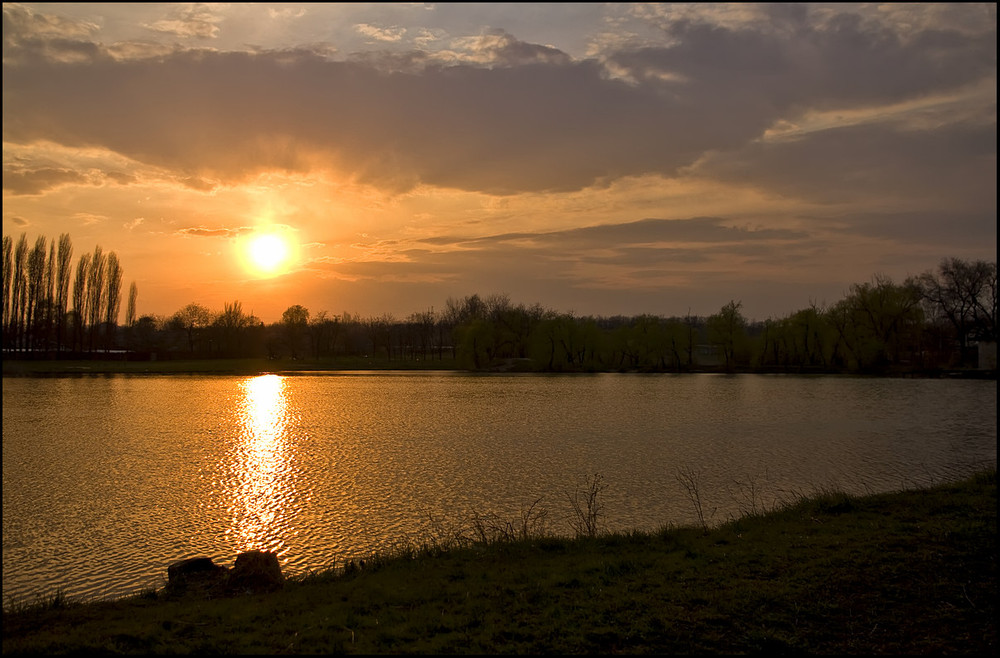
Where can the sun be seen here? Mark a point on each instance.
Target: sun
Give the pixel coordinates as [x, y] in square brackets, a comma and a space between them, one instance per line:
[268, 253]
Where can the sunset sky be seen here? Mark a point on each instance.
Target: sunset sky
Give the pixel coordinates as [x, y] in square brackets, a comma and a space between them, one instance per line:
[597, 159]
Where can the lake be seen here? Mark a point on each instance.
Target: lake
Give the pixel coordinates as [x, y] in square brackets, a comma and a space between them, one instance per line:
[107, 480]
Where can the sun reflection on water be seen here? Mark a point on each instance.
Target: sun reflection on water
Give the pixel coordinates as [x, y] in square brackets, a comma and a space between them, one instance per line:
[261, 487]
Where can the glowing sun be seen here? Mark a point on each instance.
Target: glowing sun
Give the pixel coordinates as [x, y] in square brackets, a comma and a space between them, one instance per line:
[268, 253]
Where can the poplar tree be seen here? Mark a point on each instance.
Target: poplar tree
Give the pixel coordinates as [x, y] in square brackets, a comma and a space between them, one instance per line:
[64, 268]
[19, 290]
[8, 275]
[35, 290]
[114, 298]
[80, 299]
[96, 292]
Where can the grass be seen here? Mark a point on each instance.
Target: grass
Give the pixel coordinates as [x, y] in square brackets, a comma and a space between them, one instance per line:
[911, 572]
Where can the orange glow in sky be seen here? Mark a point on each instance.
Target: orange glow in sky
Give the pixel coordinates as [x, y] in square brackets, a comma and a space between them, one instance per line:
[599, 158]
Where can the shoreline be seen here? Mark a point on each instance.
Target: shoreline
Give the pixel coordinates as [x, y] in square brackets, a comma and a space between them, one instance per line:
[261, 366]
[908, 572]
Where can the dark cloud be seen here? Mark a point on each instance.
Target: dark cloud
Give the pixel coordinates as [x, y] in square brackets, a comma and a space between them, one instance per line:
[953, 164]
[527, 119]
[952, 230]
[37, 181]
[645, 231]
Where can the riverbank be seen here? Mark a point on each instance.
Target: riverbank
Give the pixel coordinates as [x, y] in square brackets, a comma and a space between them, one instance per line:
[912, 572]
[250, 367]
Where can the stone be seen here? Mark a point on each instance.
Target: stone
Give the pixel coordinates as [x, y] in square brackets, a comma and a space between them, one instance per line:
[256, 571]
[195, 572]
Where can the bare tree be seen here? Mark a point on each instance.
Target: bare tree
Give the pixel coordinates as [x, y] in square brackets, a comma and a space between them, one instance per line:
[96, 292]
[8, 276]
[193, 318]
[114, 298]
[63, 271]
[19, 289]
[36, 290]
[81, 300]
[964, 293]
[133, 295]
[49, 293]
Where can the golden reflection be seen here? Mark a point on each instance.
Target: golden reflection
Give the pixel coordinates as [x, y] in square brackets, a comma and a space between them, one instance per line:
[261, 476]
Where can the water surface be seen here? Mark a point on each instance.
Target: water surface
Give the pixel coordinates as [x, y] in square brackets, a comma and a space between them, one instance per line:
[107, 480]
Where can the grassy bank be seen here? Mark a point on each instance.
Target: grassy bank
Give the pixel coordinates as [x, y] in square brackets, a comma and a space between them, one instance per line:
[904, 573]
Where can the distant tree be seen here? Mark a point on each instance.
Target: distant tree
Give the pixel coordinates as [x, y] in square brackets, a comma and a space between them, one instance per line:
[231, 329]
[49, 294]
[963, 293]
[727, 331]
[19, 290]
[193, 319]
[114, 298]
[8, 278]
[878, 322]
[133, 295]
[35, 291]
[81, 300]
[64, 271]
[96, 293]
[295, 321]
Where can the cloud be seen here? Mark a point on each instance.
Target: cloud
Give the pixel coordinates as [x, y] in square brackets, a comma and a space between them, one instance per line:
[37, 181]
[191, 21]
[211, 232]
[642, 232]
[375, 33]
[23, 25]
[506, 116]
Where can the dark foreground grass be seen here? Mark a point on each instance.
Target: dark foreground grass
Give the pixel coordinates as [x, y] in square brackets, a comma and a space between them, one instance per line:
[904, 573]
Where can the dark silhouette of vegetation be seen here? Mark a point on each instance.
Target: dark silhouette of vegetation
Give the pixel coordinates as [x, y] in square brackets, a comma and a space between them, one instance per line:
[931, 322]
[37, 320]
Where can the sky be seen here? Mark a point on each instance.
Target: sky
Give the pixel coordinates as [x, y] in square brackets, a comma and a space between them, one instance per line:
[597, 159]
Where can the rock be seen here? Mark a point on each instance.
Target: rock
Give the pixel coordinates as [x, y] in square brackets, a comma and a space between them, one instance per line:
[199, 572]
[256, 571]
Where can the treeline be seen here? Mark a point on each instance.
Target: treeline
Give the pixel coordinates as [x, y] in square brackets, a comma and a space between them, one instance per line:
[928, 322]
[43, 315]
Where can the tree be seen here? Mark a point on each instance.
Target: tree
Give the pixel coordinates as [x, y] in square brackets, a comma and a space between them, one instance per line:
[295, 320]
[192, 319]
[963, 293]
[80, 299]
[96, 292]
[114, 297]
[19, 290]
[35, 291]
[878, 321]
[64, 269]
[231, 327]
[727, 331]
[8, 277]
[133, 294]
